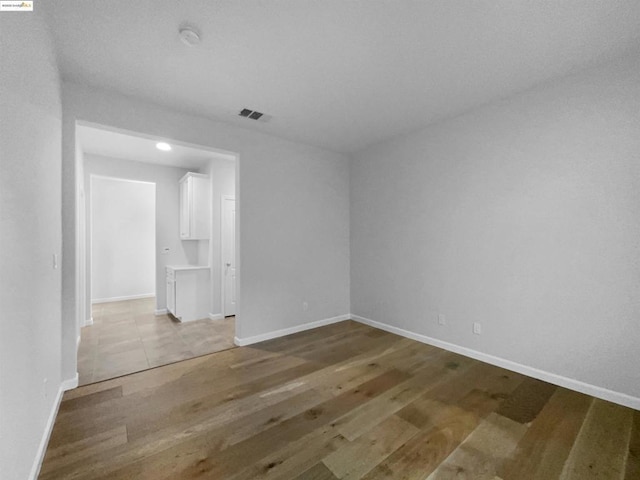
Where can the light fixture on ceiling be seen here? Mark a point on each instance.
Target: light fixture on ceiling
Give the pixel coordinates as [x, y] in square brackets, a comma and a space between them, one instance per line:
[164, 146]
[189, 36]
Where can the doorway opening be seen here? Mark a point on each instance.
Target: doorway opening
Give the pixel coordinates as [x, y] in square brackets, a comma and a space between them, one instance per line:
[153, 293]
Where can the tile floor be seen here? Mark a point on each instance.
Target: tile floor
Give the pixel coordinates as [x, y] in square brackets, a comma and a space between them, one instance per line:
[127, 337]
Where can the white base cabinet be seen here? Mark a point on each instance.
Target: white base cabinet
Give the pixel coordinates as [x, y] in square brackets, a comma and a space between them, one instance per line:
[188, 292]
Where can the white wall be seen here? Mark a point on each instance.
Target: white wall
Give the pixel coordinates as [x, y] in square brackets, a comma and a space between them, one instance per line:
[83, 291]
[123, 239]
[293, 212]
[524, 216]
[167, 212]
[30, 130]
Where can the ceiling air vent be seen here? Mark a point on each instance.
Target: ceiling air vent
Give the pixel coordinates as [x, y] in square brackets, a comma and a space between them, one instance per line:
[253, 115]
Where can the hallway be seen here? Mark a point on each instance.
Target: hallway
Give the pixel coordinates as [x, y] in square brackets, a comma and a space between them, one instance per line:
[127, 337]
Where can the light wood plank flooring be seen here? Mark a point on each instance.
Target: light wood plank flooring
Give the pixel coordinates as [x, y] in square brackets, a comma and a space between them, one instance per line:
[344, 401]
[127, 337]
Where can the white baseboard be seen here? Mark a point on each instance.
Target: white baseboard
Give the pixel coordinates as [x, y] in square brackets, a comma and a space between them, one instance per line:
[216, 316]
[162, 311]
[48, 428]
[88, 322]
[70, 383]
[241, 342]
[120, 299]
[566, 382]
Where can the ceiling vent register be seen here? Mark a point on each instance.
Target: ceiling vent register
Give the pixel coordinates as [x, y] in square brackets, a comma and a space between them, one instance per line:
[253, 115]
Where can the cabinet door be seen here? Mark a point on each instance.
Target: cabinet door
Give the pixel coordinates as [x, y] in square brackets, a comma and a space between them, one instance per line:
[171, 296]
[200, 208]
[185, 208]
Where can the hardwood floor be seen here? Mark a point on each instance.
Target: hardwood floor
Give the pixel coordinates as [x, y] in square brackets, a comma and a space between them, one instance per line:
[344, 401]
[127, 337]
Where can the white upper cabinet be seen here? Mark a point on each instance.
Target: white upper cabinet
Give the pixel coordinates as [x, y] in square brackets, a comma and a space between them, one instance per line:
[195, 207]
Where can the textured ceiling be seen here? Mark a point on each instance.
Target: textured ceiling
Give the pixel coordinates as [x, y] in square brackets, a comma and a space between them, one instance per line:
[334, 73]
[121, 145]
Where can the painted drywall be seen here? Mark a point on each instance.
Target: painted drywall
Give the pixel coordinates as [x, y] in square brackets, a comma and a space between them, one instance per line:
[293, 212]
[524, 216]
[83, 293]
[123, 239]
[30, 235]
[169, 250]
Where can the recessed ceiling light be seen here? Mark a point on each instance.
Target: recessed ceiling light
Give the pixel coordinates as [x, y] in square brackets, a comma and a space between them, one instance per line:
[189, 36]
[165, 147]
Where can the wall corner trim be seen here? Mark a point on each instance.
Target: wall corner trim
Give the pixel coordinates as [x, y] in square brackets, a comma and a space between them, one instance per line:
[566, 382]
[216, 316]
[162, 311]
[48, 428]
[241, 342]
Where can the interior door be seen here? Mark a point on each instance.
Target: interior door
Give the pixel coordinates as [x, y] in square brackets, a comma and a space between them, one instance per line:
[229, 254]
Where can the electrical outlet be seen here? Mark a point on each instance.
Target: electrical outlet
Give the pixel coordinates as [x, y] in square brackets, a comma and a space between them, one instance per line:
[477, 328]
[442, 319]
[305, 306]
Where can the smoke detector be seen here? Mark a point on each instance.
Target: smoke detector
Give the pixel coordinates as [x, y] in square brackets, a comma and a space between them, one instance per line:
[189, 36]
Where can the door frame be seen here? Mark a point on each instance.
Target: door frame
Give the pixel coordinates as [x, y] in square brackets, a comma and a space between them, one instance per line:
[70, 268]
[223, 292]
